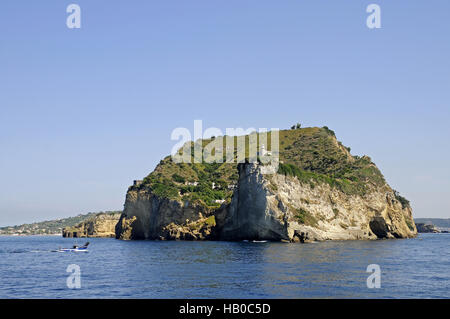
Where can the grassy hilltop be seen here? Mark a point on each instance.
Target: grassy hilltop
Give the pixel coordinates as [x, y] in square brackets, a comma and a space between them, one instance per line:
[312, 154]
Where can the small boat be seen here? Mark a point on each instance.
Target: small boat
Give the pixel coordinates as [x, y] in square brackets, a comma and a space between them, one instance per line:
[254, 241]
[75, 248]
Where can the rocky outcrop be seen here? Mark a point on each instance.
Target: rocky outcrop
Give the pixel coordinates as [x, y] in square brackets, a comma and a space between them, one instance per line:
[279, 207]
[147, 216]
[101, 225]
[199, 229]
[424, 228]
[269, 207]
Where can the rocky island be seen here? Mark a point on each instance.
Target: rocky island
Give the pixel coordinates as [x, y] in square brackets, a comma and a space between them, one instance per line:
[433, 225]
[320, 191]
[100, 225]
[426, 228]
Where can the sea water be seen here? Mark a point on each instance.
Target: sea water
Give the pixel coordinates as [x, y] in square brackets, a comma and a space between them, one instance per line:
[410, 268]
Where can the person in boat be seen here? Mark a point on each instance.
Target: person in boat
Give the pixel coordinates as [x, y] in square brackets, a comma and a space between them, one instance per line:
[84, 246]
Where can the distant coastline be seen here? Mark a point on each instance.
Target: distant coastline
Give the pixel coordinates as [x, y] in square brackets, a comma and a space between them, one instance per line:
[55, 227]
[21, 235]
[49, 227]
[441, 223]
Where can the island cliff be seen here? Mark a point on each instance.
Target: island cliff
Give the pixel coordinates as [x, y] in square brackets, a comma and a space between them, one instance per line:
[280, 207]
[319, 192]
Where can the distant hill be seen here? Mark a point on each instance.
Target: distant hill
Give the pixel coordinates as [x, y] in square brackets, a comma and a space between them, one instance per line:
[438, 222]
[50, 227]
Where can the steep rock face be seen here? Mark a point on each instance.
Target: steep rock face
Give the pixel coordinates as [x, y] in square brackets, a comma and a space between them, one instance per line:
[102, 225]
[251, 214]
[269, 207]
[279, 207]
[148, 216]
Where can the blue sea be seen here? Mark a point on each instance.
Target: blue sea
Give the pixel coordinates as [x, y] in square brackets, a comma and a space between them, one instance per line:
[410, 268]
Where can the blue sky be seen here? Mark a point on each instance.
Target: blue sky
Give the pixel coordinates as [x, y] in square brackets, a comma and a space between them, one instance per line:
[85, 112]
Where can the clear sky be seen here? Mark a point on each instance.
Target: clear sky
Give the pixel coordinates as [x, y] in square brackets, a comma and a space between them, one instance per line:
[85, 112]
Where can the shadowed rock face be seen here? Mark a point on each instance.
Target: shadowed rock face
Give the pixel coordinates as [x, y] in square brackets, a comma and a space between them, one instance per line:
[379, 227]
[269, 207]
[147, 216]
[250, 214]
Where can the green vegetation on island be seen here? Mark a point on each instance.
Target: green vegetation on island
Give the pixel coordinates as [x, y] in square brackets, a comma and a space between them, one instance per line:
[311, 154]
